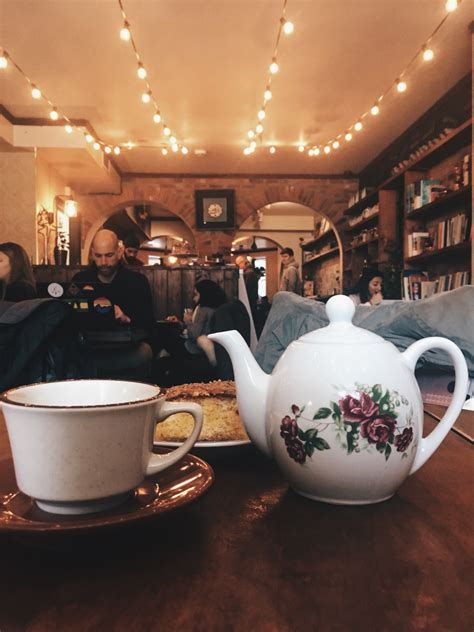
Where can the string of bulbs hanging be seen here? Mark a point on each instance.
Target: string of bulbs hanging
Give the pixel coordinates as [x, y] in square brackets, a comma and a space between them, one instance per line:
[147, 96]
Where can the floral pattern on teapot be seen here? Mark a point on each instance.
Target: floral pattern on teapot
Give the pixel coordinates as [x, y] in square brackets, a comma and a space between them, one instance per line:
[363, 418]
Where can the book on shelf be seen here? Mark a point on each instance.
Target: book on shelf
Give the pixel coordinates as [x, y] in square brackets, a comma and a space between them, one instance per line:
[422, 192]
[449, 232]
[418, 242]
[417, 284]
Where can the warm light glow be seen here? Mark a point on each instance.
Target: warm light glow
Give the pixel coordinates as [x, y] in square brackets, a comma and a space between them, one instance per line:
[89, 138]
[428, 54]
[157, 117]
[267, 95]
[247, 151]
[300, 148]
[261, 115]
[174, 147]
[316, 151]
[125, 32]
[141, 72]
[272, 149]
[117, 150]
[36, 93]
[253, 144]
[96, 146]
[374, 110]
[166, 131]
[310, 152]
[358, 126]
[274, 67]
[3, 61]
[184, 150]
[164, 151]
[288, 28]
[146, 97]
[53, 115]
[129, 145]
[259, 128]
[172, 259]
[327, 149]
[348, 136]
[70, 208]
[107, 149]
[250, 133]
[335, 144]
[68, 129]
[451, 5]
[401, 86]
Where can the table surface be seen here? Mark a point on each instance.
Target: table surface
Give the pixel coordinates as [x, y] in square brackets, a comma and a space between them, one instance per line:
[253, 555]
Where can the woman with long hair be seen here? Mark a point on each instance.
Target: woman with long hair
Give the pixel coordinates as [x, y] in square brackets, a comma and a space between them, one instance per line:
[368, 290]
[17, 282]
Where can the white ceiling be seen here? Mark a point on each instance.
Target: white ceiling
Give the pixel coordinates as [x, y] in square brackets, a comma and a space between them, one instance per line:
[207, 62]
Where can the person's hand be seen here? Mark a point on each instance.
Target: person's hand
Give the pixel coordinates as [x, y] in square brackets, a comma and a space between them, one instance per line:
[172, 319]
[120, 316]
[376, 298]
[188, 315]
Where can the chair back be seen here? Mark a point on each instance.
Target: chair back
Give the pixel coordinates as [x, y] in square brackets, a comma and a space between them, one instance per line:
[230, 315]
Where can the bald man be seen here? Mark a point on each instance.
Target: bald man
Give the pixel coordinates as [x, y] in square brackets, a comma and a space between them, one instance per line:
[129, 291]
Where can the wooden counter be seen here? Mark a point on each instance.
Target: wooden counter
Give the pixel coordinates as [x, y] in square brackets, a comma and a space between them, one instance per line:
[171, 287]
[253, 555]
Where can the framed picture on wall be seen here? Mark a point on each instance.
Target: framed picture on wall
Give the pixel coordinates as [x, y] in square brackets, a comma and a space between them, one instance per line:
[214, 209]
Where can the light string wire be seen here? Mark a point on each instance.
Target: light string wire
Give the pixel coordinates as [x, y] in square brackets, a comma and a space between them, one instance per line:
[401, 86]
[256, 134]
[148, 96]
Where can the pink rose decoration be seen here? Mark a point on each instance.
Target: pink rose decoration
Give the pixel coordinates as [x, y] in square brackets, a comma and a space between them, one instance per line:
[358, 410]
[378, 430]
[402, 441]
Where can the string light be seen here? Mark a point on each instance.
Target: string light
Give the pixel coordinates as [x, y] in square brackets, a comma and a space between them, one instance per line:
[267, 95]
[96, 146]
[146, 97]
[348, 137]
[335, 144]
[288, 27]
[157, 117]
[68, 129]
[401, 85]
[316, 151]
[251, 133]
[35, 92]
[184, 150]
[428, 54]
[3, 60]
[300, 148]
[272, 149]
[53, 115]
[259, 128]
[327, 149]
[141, 72]
[274, 67]
[107, 149]
[89, 138]
[451, 5]
[125, 34]
[261, 115]
[164, 151]
[310, 152]
[117, 150]
[374, 110]
[166, 131]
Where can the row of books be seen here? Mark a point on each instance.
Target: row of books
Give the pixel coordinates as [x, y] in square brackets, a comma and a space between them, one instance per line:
[422, 192]
[448, 232]
[418, 285]
[359, 195]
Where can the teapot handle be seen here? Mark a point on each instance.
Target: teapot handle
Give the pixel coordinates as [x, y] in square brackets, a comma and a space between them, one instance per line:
[429, 444]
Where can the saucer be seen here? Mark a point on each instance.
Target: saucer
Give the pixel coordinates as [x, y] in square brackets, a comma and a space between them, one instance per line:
[175, 487]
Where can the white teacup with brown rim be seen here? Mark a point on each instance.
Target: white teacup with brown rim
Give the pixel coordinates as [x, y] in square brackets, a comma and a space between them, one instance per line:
[81, 446]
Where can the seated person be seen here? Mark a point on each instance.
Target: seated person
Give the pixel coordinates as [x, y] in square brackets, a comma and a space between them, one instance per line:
[368, 290]
[183, 346]
[130, 293]
[132, 246]
[16, 274]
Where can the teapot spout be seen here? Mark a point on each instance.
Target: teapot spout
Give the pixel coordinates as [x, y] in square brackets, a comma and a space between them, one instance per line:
[251, 384]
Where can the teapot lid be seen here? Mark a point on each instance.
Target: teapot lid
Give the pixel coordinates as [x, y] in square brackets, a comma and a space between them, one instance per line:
[340, 310]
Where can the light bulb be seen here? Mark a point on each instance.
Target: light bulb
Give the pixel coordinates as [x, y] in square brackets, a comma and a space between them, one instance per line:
[253, 144]
[89, 138]
[117, 150]
[335, 144]
[70, 208]
[53, 115]
[267, 95]
[374, 110]
[259, 128]
[427, 54]
[348, 136]
[174, 147]
[310, 152]
[288, 27]
[141, 72]
[129, 145]
[327, 149]
[68, 129]
[247, 151]
[316, 151]
[96, 146]
[125, 32]
[166, 131]
[250, 133]
[300, 148]
[401, 86]
[107, 149]
[164, 151]
[274, 67]
[451, 5]
[3, 61]
[261, 115]
[157, 117]
[146, 97]
[36, 93]
[173, 140]
[184, 150]
[358, 126]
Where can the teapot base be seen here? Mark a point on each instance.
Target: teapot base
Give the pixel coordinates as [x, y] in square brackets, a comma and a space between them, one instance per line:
[343, 501]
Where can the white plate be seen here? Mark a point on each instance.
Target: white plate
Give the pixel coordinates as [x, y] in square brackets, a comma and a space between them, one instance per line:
[205, 444]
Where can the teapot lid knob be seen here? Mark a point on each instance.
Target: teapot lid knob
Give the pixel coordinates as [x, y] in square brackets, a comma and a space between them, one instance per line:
[340, 309]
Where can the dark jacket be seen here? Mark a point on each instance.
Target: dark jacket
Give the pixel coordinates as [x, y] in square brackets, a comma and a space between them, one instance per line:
[19, 291]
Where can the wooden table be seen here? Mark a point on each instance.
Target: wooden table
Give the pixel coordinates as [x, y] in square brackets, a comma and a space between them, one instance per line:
[253, 555]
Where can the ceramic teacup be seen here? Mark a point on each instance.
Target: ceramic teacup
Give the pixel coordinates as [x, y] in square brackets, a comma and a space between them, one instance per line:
[82, 445]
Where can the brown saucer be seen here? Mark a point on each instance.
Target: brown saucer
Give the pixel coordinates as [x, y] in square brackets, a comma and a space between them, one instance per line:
[179, 485]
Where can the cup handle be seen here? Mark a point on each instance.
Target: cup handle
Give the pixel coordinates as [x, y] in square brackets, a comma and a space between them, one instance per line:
[159, 462]
[429, 444]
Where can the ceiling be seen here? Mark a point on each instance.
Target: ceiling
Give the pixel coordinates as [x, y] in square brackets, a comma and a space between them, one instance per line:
[207, 63]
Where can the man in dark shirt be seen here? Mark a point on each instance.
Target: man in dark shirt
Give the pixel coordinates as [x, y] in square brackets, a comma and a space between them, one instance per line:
[130, 294]
[132, 246]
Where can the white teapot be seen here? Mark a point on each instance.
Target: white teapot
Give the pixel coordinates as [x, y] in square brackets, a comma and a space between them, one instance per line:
[342, 413]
